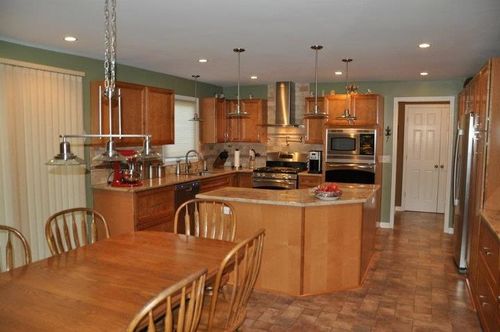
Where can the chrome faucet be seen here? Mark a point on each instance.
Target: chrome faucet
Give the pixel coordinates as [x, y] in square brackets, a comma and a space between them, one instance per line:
[188, 163]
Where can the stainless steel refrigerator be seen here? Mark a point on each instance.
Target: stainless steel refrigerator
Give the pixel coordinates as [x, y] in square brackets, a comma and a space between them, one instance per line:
[464, 167]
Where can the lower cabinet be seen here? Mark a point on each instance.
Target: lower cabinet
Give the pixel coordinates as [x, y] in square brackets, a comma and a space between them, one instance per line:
[212, 183]
[150, 209]
[127, 212]
[245, 180]
[309, 180]
[485, 279]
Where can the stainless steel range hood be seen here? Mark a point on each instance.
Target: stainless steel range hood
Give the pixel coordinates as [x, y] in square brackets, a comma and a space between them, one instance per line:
[285, 105]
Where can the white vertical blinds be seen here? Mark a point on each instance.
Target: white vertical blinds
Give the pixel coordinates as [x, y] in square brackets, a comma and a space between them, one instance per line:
[36, 105]
[186, 137]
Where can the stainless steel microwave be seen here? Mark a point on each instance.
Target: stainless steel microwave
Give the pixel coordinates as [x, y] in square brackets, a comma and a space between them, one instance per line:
[351, 145]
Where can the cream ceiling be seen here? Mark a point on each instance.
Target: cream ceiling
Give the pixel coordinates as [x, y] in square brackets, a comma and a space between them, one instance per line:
[169, 36]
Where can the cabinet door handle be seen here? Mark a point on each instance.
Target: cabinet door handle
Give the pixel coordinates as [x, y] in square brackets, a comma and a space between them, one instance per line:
[487, 251]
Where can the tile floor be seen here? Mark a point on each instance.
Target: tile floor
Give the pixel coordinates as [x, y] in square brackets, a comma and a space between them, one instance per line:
[412, 285]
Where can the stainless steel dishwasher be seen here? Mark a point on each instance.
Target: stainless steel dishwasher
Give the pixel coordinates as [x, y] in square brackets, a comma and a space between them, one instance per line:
[183, 193]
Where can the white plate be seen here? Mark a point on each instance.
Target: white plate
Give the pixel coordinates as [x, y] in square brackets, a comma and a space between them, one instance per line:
[327, 198]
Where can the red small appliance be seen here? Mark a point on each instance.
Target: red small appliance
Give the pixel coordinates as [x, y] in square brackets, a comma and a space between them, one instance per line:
[128, 177]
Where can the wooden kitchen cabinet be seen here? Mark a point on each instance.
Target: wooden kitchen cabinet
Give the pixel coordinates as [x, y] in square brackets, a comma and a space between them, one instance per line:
[315, 128]
[368, 109]
[159, 115]
[214, 125]
[245, 179]
[309, 180]
[135, 211]
[216, 182]
[250, 128]
[132, 104]
[486, 290]
[145, 110]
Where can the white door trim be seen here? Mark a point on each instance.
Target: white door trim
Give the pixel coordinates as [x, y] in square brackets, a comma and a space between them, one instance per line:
[397, 100]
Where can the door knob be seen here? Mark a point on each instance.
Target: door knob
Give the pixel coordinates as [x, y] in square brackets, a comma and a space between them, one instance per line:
[435, 166]
[442, 166]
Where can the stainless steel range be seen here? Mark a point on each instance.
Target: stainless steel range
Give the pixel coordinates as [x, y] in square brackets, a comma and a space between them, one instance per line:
[281, 171]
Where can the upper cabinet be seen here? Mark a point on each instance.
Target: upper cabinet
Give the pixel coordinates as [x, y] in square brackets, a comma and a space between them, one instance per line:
[159, 115]
[216, 127]
[315, 127]
[368, 109]
[145, 110]
[214, 124]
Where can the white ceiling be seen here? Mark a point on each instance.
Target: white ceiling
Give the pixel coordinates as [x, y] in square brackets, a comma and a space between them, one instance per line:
[169, 36]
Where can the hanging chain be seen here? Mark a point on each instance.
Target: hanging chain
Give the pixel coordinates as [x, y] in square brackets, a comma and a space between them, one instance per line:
[110, 47]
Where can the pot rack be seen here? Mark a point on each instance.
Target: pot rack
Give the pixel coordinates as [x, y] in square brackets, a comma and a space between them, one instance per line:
[65, 157]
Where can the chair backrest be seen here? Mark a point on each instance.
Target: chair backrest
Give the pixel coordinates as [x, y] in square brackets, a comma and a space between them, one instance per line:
[206, 218]
[244, 260]
[185, 296]
[72, 228]
[9, 247]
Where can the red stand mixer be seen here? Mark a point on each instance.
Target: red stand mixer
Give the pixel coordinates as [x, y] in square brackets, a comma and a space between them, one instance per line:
[127, 177]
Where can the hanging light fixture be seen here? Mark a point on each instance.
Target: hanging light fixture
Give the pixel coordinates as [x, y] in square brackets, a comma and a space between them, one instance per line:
[316, 113]
[238, 113]
[196, 116]
[350, 89]
[65, 157]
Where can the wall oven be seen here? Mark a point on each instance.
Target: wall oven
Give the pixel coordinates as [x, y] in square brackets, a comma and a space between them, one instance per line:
[350, 155]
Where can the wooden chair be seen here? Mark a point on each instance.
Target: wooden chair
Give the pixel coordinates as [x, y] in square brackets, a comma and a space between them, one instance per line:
[72, 228]
[244, 263]
[188, 293]
[9, 247]
[206, 218]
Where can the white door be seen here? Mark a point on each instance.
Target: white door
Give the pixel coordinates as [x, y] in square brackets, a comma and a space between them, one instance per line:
[425, 146]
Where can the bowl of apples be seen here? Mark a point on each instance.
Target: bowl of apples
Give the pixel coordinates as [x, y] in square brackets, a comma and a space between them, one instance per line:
[327, 191]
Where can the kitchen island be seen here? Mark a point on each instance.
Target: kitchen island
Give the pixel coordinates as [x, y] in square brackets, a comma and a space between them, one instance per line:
[312, 246]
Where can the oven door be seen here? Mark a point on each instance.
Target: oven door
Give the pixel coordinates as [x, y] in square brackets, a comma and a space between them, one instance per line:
[266, 183]
[350, 173]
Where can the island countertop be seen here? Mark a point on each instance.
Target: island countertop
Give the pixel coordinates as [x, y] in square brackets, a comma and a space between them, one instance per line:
[351, 194]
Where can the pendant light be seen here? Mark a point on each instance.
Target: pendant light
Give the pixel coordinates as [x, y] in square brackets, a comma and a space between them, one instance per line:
[238, 113]
[316, 113]
[196, 116]
[65, 157]
[350, 89]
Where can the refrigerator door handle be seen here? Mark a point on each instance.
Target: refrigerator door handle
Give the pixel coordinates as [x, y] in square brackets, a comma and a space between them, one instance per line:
[460, 133]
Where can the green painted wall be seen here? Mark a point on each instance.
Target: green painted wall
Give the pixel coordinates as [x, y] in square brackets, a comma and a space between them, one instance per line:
[258, 91]
[94, 70]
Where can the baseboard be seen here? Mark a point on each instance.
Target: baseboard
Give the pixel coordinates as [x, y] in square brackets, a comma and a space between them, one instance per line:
[384, 225]
[398, 208]
[449, 230]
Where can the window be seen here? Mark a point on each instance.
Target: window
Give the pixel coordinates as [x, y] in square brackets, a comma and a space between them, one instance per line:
[186, 132]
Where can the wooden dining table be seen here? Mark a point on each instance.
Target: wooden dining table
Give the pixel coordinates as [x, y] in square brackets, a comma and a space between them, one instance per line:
[100, 287]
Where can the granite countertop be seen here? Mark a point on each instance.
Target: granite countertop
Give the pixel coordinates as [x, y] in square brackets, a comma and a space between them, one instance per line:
[493, 218]
[171, 179]
[352, 194]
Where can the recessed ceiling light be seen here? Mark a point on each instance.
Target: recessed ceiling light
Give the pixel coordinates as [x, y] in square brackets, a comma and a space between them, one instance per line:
[70, 39]
[202, 60]
[338, 73]
[424, 45]
[253, 77]
[424, 73]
